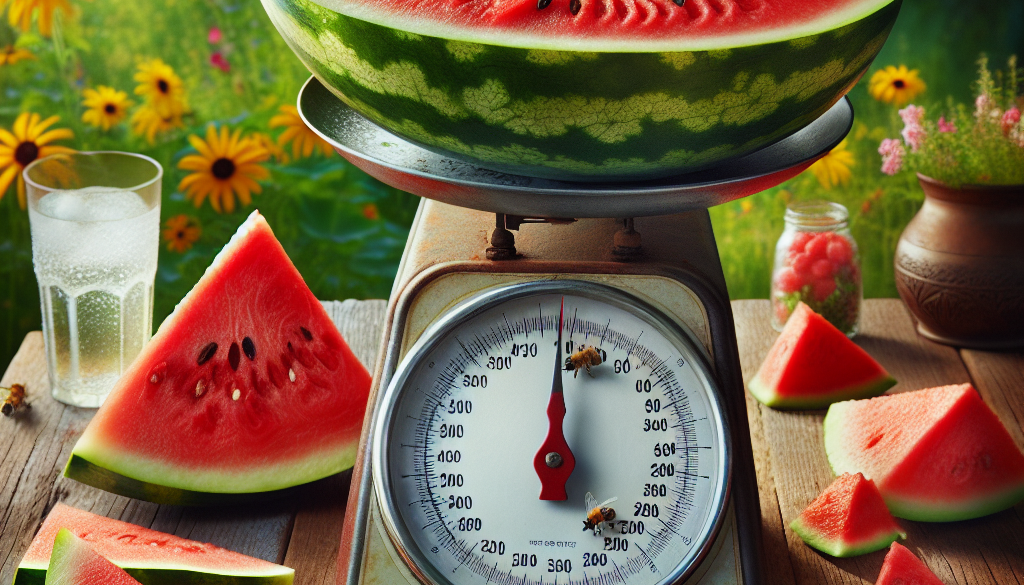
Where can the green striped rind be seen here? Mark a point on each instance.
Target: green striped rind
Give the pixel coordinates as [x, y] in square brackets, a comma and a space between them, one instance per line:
[769, 397]
[580, 115]
[29, 575]
[911, 509]
[840, 548]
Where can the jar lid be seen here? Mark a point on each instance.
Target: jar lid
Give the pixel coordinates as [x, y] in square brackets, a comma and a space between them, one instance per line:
[820, 214]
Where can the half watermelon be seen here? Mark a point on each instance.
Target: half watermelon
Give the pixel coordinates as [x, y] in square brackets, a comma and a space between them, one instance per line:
[812, 364]
[848, 519]
[247, 388]
[75, 563]
[901, 567]
[937, 455]
[154, 558]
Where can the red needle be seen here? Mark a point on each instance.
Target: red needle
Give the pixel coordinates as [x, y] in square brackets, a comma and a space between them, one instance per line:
[554, 461]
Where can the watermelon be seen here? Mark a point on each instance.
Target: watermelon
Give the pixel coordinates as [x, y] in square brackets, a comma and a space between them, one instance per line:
[937, 455]
[153, 557]
[848, 519]
[588, 90]
[247, 388]
[901, 567]
[75, 563]
[812, 364]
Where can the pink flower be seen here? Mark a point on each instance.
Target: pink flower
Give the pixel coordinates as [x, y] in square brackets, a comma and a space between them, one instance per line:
[913, 132]
[945, 126]
[892, 156]
[218, 61]
[1010, 118]
[912, 115]
[214, 36]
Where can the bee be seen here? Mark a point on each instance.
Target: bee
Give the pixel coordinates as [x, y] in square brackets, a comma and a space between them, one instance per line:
[597, 513]
[15, 399]
[584, 358]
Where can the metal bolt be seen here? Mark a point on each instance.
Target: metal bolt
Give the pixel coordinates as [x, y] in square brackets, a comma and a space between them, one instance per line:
[553, 459]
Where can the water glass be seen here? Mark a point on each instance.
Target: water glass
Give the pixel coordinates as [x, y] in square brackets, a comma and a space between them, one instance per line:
[95, 222]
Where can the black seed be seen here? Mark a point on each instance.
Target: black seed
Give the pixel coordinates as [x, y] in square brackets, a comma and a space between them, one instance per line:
[233, 356]
[6, 409]
[574, 6]
[249, 348]
[542, 4]
[679, 2]
[290, 348]
[207, 353]
[306, 333]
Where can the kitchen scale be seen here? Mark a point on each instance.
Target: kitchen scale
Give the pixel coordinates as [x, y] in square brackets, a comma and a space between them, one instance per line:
[565, 404]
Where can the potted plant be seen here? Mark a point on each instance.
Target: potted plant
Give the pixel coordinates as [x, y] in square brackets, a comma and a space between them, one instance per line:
[959, 264]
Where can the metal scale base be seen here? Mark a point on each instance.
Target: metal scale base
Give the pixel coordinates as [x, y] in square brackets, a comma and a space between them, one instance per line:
[652, 239]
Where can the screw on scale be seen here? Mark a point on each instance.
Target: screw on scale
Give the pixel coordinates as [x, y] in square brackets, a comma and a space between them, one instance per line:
[503, 242]
[626, 242]
[554, 461]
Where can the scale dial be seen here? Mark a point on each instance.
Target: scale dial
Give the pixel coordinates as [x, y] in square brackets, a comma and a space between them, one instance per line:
[465, 414]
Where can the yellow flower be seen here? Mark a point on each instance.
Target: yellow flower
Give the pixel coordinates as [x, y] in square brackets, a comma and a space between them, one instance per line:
[272, 148]
[19, 14]
[25, 143]
[746, 206]
[105, 106]
[181, 232]
[895, 86]
[148, 122]
[227, 165]
[834, 168]
[10, 55]
[302, 138]
[161, 87]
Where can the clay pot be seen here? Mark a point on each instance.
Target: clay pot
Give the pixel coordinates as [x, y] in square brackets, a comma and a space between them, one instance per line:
[960, 265]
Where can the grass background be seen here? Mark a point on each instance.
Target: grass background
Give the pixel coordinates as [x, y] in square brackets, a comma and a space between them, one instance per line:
[319, 206]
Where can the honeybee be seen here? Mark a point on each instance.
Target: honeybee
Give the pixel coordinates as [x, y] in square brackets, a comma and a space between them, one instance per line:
[597, 513]
[15, 399]
[584, 358]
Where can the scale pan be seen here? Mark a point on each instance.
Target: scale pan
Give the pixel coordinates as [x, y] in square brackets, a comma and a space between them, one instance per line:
[441, 177]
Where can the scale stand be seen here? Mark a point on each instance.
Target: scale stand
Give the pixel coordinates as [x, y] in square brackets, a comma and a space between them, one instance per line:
[660, 249]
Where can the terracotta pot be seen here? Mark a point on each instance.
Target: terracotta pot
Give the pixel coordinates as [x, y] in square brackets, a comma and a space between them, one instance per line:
[960, 265]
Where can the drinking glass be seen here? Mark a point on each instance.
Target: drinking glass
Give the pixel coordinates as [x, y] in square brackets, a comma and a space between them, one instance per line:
[95, 222]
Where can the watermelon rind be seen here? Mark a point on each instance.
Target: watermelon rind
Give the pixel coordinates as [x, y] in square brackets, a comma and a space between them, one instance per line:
[836, 547]
[769, 397]
[73, 562]
[578, 109]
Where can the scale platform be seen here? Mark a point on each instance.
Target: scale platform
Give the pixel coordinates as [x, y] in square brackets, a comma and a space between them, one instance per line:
[649, 245]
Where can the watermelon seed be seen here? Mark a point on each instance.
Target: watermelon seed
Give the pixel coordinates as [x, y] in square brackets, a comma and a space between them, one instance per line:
[874, 441]
[207, 353]
[679, 2]
[235, 394]
[249, 348]
[233, 356]
[542, 4]
[200, 388]
[156, 375]
[574, 6]
[306, 333]
[291, 374]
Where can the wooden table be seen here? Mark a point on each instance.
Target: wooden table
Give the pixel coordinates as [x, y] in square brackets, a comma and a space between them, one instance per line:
[302, 532]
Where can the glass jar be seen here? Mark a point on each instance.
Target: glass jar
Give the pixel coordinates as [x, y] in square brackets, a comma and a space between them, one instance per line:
[816, 261]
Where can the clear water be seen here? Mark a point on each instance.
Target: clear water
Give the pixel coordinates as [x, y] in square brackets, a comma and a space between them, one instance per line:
[95, 255]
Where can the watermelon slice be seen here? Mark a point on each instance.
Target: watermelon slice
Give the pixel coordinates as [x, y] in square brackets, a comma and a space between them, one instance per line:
[150, 556]
[937, 455]
[75, 563]
[812, 364]
[247, 388]
[848, 519]
[901, 567]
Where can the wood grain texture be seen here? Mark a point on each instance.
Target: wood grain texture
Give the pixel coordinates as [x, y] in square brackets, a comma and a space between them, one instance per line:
[35, 445]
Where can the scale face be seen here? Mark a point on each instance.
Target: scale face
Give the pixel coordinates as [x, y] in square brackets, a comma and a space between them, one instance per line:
[463, 418]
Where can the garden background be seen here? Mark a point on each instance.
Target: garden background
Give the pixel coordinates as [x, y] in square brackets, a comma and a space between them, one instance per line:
[344, 230]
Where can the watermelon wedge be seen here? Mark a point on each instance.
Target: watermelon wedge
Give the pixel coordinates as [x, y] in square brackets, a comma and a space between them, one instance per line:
[154, 558]
[75, 563]
[937, 455]
[901, 567]
[247, 388]
[812, 364]
[848, 519]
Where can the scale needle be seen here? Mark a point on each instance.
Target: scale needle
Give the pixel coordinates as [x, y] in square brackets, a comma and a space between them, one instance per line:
[554, 461]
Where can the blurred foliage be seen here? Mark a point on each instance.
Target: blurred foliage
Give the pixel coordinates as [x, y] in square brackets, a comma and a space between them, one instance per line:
[344, 230]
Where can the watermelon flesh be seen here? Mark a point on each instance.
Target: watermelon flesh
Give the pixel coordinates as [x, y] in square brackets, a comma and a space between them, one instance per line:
[812, 364]
[901, 567]
[246, 388]
[75, 563]
[848, 519]
[154, 558]
[937, 455]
